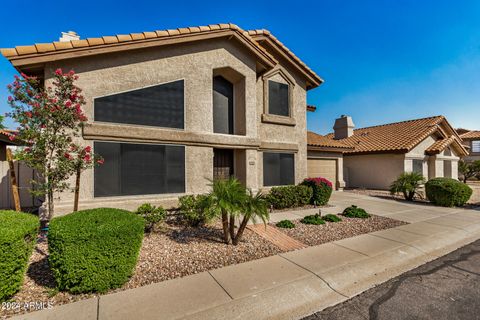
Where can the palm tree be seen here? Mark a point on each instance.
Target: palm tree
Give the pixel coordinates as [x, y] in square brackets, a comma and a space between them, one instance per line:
[231, 201]
[253, 207]
[227, 198]
[407, 183]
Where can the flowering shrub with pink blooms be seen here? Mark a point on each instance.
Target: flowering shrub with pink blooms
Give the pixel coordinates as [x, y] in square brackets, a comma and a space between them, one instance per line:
[50, 119]
[322, 190]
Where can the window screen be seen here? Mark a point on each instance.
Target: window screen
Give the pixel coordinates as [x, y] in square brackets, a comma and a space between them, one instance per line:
[418, 166]
[222, 106]
[135, 169]
[278, 98]
[278, 169]
[476, 146]
[160, 106]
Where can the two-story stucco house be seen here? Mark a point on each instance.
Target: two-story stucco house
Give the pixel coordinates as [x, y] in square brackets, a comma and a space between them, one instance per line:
[169, 110]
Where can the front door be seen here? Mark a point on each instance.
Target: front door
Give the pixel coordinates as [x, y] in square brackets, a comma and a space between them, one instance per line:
[222, 164]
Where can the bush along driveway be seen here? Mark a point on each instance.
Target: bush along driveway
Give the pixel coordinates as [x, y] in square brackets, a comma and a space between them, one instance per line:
[296, 283]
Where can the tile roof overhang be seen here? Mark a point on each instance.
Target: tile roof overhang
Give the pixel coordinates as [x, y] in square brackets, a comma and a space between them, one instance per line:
[263, 35]
[316, 142]
[470, 135]
[441, 144]
[31, 57]
[5, 136]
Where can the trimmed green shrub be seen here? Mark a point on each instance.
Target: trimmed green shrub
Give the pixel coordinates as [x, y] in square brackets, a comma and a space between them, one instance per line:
[287, 224]
[331, 218]
[151, 214]
[289, 196]
[313, 219]
[447, 192]
[94, 250]
[18, 233]
[355, 212]
[322, 190]
[196, 210]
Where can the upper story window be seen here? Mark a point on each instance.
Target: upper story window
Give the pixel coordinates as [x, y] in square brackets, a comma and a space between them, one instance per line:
[222, 105]
[278, 98]
[476, 146]
[160, 106]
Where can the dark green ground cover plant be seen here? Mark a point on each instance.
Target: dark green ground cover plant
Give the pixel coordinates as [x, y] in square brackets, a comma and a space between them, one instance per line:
[315, 219]
[355, 212]
[286, 224]
[331, 218]
[94, 250]
[447, 192]
[18, 234]
[152, 215]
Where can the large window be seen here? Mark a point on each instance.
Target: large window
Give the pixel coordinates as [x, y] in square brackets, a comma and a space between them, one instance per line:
[476, 146]
[278, 99]
[278, 169]
[222, 105]
[160, 106]
[135, 169]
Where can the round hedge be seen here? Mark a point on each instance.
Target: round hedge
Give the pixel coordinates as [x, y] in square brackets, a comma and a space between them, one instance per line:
[94, 250]
[18, 232]
[355, 212]
[322, 190]
[447, 192]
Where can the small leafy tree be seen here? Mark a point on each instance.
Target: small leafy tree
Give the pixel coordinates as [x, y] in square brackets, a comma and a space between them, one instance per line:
[230, 200]
[469, 169]
[49, 120]
[408, 183]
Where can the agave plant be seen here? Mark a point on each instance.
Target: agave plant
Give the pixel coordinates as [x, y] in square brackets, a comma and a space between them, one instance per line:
[408, 183]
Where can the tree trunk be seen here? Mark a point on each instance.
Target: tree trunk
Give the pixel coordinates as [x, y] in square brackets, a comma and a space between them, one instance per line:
[13, 181]
[226, 234]
[232, 227]
[77, 190]
[50, 205]
[240, 231]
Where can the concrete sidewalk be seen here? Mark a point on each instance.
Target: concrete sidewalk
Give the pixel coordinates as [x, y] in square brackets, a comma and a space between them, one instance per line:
[297, 283]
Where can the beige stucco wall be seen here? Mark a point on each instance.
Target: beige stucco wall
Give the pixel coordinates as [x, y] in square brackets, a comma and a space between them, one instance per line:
[373, 171]
[194, 63]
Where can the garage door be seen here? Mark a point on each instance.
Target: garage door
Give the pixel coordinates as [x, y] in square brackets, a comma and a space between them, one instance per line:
[325, 168]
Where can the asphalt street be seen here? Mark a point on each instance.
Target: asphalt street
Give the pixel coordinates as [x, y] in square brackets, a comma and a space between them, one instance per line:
[446, 288]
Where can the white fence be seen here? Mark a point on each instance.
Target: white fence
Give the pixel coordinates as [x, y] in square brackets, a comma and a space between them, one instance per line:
[24, 177]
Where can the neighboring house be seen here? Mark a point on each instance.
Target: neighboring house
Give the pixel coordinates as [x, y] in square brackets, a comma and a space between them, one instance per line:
[24, 175]
[170, 110]
[471, 140]
[379, 154]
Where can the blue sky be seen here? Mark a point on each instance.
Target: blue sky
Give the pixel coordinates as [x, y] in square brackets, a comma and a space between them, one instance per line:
[382, 61]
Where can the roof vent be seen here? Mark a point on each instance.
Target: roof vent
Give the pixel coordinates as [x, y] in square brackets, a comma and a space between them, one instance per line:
[69, 36]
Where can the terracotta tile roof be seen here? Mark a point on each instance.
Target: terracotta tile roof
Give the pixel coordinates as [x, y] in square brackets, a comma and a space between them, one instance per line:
[269, 35]
[474, 134]
[399, 136]
[440, 145]
[316, 140]
[311, 108]
[49, 49]
[5, 136]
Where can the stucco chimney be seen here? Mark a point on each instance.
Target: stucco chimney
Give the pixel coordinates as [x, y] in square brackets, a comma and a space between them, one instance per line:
[68, 36]
[343, 127]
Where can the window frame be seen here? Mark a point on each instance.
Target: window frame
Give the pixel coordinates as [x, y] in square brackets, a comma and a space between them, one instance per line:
[149, 194]
[413, 165]
[477, 150]
[263, 168]
[140, 88]
[267, 117]
[289, 108]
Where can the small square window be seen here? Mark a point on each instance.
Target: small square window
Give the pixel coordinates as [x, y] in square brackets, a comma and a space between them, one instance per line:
[418, 166]
[476, 146]
[278, 99]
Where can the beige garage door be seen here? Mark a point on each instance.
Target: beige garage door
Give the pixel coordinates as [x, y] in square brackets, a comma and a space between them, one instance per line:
[325, 168]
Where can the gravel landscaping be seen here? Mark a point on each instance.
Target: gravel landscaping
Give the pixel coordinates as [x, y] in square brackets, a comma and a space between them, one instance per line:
[171, 251]
[313, 235]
